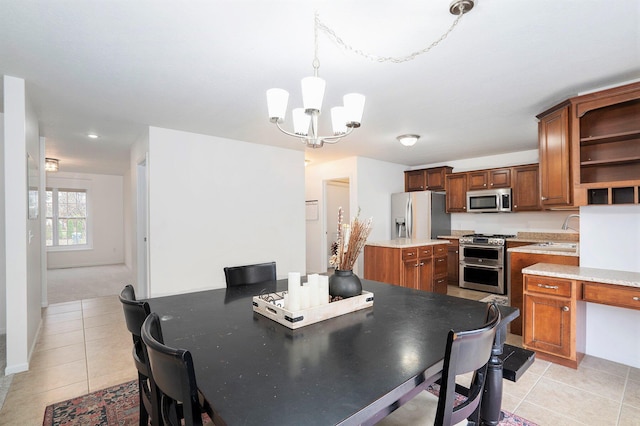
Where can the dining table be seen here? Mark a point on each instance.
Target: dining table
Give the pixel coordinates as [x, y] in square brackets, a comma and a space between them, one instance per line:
[351, 369]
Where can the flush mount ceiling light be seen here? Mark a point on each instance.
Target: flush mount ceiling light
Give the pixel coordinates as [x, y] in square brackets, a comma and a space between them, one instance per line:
[92, 136]
[349, 116]
[51, 164]
[408, 140]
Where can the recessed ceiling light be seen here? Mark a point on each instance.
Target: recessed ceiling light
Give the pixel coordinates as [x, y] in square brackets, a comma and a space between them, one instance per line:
[92, 136]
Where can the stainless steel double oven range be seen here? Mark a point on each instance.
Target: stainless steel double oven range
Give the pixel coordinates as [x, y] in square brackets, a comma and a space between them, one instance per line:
[483, 262]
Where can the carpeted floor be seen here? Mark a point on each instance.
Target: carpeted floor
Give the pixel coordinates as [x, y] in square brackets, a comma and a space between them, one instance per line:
[118, 405]
[69, 284]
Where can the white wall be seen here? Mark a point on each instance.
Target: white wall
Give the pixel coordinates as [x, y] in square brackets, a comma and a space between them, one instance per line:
[3, 275]
[138, 154]
[610, 239]
[371, 183]
[22, 236]
[106, 210]
[217, 202]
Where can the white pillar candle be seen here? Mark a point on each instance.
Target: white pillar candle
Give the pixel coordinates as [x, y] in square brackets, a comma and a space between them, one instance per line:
[314, 297]
[323, 289]
[305, 296]
[293, 289]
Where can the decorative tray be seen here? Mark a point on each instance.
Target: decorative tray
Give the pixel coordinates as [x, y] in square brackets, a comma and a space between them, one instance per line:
[265, 304]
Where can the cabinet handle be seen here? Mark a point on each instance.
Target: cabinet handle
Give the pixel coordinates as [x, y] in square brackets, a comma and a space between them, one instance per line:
[515, 206]
[550, 287]
[636, 298]
[543, 198]
[491, 183]
[565, 308]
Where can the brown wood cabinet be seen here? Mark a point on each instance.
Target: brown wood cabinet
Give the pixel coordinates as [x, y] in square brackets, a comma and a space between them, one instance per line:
[610, 294]
[555, 157]
[554, 319]
[526, 188]
[456, 198]
[413, 267]
[432, 179]
[516, 262]
[590, 149]
[489, 179]
[453, 262]
[440, 268]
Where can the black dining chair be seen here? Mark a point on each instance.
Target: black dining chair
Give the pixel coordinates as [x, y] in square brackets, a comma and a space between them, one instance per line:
[135, 312]
[173, 377]
[467, 351]
[250, 274]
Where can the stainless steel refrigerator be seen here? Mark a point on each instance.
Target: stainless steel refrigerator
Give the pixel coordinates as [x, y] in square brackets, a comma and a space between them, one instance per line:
[419, 215]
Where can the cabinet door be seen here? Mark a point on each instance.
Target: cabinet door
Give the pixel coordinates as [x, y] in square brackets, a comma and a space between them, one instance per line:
[456, 198]
[548, 325]
[435, 179]
[478, 180]
[414, 180]
[500, 178]
[425, 275]
[410, 274]
[526, 189]
[555, 172]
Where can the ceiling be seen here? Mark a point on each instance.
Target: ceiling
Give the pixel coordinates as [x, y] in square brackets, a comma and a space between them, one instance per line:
[117, 67]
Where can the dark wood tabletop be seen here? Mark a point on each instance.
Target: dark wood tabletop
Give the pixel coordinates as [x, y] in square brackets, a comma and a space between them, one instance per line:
[345, 370]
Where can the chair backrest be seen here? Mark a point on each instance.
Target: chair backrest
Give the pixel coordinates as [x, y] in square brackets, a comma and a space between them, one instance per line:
[173, 375]
[250, 274]
[466, 351]
[135, 311]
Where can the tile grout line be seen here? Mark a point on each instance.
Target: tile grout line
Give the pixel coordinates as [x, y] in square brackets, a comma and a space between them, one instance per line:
[624, 391]
[84, 339]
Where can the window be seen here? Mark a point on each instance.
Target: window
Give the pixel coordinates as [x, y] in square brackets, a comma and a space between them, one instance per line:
[66, 219]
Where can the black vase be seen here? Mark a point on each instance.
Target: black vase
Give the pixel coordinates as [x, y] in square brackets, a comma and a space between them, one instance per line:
[344, 284]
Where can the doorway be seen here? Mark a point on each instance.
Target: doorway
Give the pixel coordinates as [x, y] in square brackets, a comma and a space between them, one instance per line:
[336, 195]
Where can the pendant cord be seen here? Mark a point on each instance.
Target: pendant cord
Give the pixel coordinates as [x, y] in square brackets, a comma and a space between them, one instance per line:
[375, 58]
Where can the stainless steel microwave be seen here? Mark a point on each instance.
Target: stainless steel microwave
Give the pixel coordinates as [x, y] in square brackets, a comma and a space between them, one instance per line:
[489, 200]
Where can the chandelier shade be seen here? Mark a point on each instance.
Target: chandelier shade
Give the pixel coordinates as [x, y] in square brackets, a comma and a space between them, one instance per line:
[312, 93]
[338, 120]
[354, 107]
[301, 122]
[277, 100]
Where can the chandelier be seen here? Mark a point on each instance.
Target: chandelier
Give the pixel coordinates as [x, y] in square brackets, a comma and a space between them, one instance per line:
[305, 120]
[344, 118]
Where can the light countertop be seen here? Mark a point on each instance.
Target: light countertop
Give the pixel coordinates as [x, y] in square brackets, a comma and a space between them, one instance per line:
[606, 276]
[405, 243]
[536, 249]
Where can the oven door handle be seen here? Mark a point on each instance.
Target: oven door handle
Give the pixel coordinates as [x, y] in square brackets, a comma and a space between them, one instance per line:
[475, 265]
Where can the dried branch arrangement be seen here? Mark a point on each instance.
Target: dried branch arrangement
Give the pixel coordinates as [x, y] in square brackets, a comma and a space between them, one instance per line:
[351, 240]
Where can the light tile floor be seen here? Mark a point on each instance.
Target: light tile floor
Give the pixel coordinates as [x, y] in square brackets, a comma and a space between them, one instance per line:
[84, 346]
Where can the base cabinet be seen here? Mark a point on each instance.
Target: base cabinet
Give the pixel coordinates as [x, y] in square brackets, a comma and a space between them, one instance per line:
[421, 267]
[554, 319]
[516, 262]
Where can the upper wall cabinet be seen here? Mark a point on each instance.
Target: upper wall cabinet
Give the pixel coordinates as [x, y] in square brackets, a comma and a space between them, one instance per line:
[555, 157]
[590, 149]
[432, 179]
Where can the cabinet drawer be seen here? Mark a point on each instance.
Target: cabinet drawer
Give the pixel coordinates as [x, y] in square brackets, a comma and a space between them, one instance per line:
[410, 253]
[544, 285]
[425, 252]
[439, 266]
[625, 297]
[440, 250]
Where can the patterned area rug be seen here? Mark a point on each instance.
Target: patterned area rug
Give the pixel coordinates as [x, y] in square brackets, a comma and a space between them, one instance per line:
[500, 300]
[118, 405]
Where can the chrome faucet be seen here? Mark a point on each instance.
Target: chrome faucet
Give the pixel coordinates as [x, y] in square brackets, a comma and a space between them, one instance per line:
[566, 226]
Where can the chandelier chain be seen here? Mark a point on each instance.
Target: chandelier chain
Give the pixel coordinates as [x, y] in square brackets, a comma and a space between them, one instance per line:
[375, 58]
